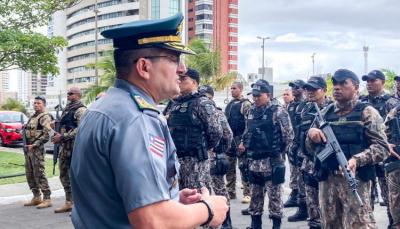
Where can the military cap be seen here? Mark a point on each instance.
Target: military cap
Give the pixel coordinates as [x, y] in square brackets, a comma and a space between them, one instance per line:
[192, 73]
[315, 82]
[260, 86]
[297, 83]
[342, 74]
[207, 89]
[163, 33]
[397, 78]
[375, 74]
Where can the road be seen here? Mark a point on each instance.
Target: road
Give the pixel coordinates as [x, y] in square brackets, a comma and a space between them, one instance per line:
[14, 215]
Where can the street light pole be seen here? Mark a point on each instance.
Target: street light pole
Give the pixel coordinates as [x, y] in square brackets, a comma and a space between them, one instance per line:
[365, 49]
[313, 63]
[96, 45]
[263, 48]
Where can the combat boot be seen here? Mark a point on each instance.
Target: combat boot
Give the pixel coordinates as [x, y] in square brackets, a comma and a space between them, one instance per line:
[300, 215]
[227, 224]
[67, 207]
[45, 204]
[36, 200]
[246, 211]
[276, 223]
[256, 222]
[292, 201]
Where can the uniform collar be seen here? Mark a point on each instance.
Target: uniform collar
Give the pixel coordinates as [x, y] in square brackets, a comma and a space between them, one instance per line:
[133, 90]
[383, 93]
[349, 106]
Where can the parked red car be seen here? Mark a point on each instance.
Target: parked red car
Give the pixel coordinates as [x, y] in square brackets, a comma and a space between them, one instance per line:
[10, 127]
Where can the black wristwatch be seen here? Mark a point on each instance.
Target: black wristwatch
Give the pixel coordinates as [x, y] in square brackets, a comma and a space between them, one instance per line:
[210, 213]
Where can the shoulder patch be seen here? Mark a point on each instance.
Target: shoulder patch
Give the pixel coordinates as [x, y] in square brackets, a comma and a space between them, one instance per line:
[209, 108]
[143, 104]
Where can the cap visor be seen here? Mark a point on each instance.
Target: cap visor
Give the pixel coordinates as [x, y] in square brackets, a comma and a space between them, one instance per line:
[291, 84]
[312, 85]
[367, 77]
[254, 92]
[177, 48]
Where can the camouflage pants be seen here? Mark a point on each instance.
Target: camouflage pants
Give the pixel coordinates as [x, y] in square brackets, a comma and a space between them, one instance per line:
[64, 172]
[243, 165]
[231, 176]
[384, 189]
[294, 173]
[275, 204]
[314, 216]
[339, 207]
[301, 186]
[393, 181]
[194, 173]
[35, 173]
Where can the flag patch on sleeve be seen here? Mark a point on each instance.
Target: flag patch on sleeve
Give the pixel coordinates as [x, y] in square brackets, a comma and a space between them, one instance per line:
[157, 145]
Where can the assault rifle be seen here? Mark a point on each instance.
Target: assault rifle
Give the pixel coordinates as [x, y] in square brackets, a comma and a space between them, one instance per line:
[332, 147]
[23, 134]
[57, 129]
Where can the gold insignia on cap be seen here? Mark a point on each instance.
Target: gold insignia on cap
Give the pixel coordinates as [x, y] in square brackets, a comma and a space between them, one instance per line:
[160, 39]
[143, 104]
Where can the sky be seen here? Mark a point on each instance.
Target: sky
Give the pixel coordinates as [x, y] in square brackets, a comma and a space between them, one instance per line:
[335, 30]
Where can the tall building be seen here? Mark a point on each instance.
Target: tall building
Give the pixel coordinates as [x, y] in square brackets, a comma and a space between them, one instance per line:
[4, 81]
[216, 22]
[77, 25]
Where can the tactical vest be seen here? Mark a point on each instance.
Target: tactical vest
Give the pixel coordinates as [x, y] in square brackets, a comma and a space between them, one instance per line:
[68, 121]
[378, 103]
[308, 116]
[264, 139]
[350, 133]
[294, 110]
[394, 137]
[186, 128]
[235, 118]
[34, 129]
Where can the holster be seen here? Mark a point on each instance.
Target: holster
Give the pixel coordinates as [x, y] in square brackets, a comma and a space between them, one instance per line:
[221, 166]
[310, 180]
[278, 173]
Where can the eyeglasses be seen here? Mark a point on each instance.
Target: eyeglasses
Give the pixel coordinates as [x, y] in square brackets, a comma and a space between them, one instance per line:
[171, 58]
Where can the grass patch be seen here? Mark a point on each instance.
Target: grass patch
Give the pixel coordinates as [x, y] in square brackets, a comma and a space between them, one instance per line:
[13, 163]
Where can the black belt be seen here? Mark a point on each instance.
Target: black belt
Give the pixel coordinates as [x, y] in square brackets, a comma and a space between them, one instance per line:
[392, 166]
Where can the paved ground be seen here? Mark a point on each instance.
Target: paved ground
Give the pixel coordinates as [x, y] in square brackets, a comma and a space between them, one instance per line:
[14, 215]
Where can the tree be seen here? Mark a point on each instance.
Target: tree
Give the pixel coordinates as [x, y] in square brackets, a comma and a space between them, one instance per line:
[13, 105]
[106, 66]
[389, 82]
[208, 64]
[20, 47]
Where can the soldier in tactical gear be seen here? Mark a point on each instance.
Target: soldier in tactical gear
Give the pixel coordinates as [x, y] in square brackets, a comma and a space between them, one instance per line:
[359, 130]
[297, 197]
[195, 129]
[219, 164]
[315, 91]
[382, 102]
[392, 166]
[70, 119]
[268, 134]
[236, 112]
[37, 133]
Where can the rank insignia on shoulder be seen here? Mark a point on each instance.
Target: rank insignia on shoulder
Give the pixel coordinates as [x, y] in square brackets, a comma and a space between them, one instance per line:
[143, 104]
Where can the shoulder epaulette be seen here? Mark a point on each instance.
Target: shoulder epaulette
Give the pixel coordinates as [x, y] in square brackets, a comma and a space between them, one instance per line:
[143, 104]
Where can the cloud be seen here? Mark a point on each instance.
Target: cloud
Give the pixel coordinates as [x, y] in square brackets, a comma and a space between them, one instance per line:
[335, 30]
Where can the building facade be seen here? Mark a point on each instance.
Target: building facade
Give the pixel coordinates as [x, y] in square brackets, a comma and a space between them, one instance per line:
[216, 22]
[77, 24]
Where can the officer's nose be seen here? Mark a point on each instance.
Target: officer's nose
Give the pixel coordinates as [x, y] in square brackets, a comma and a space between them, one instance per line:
[181, 68]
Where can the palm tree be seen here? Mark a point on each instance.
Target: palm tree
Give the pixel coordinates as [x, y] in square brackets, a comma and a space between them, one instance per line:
[208, 64]
[13, 105]
[107, 67]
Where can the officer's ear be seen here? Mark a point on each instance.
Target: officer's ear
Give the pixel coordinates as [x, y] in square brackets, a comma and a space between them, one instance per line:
[142, 67]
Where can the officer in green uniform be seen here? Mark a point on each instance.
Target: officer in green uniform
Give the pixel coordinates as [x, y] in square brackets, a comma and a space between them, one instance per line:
[37, 132]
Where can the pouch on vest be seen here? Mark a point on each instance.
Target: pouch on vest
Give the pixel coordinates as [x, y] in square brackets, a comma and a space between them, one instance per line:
[221, 165]
[278, 173]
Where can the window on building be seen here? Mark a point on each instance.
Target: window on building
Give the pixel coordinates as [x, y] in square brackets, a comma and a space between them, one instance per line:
[204, 16]
[155, 9]
[204, 7]
[174, 7]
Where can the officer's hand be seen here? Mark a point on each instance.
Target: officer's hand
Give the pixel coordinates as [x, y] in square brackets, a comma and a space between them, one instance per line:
[392, 151]
[189, 196]
[29, 147]
[218, 204]
[241, 148]
[56, 138]
[352, 166]
[316, 135]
